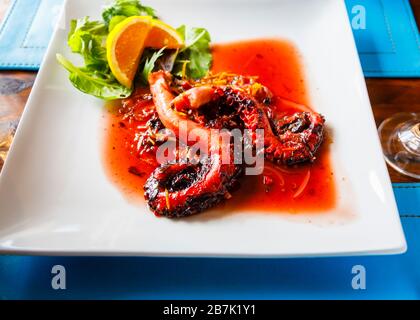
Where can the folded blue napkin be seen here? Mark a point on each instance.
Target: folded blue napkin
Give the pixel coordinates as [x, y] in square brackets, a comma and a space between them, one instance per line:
[25, 33]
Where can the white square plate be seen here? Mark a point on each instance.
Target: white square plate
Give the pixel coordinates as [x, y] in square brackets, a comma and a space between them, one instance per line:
[56, 199]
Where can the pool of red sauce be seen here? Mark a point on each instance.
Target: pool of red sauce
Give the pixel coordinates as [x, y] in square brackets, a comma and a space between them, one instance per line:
[278, 66]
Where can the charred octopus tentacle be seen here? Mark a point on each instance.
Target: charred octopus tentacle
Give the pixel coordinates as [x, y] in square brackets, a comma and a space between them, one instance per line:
[183, 189]
[180, 189]
[298, 137]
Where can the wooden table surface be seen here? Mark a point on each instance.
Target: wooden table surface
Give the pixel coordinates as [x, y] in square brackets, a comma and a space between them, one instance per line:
[388, 96]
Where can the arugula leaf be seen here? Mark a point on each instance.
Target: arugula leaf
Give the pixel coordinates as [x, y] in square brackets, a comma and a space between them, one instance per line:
[88, 39]
[126, 8]
[192, 35]
[196, 52]
[93, 82]
[149, 65]
[114, 21]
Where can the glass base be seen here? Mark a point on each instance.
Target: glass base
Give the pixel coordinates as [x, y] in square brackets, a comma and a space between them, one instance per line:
[400, 138]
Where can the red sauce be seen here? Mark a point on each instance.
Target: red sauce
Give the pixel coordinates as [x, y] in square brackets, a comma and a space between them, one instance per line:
[125, 167]
[278, 66]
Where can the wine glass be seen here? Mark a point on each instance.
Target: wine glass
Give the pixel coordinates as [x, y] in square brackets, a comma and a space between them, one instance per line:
[400, 138]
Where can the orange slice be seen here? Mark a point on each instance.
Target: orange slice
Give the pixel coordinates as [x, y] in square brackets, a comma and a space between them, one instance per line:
[163, 35]
[125, 45]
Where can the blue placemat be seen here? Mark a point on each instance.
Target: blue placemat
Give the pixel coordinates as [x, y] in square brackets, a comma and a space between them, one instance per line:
[408, 199]
[387, 37]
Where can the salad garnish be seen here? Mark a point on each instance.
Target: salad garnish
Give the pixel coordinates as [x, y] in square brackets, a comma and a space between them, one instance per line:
[190, 59]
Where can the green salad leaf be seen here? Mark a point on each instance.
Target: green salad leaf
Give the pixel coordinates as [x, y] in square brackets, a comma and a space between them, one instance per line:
[196, 52]
[88, 39]
[126, 8]
[102, 85]
[114, 21]
[149, 64]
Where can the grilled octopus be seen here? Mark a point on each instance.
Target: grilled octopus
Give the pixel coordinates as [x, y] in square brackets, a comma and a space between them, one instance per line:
[182, 189]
